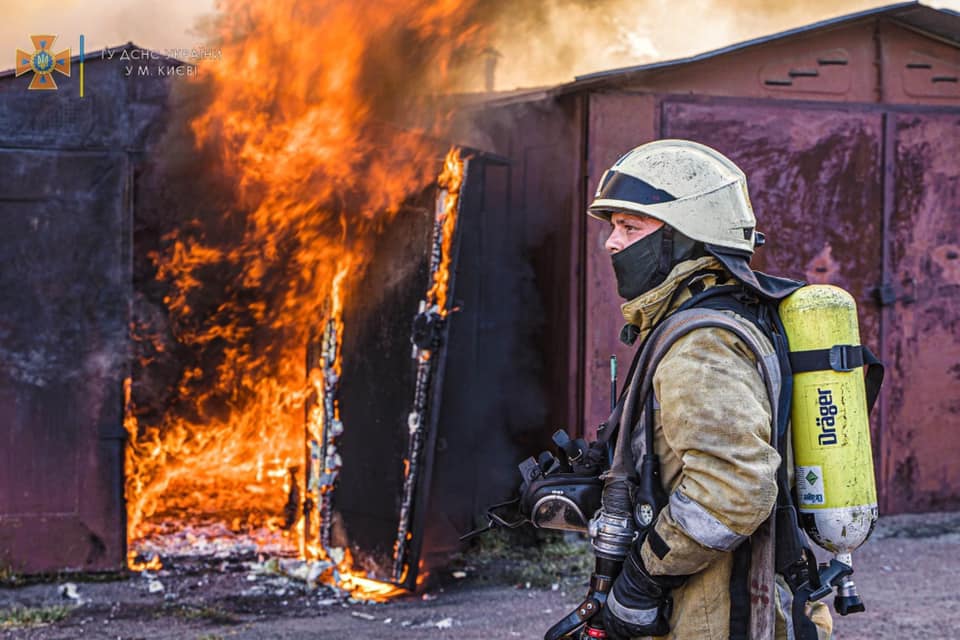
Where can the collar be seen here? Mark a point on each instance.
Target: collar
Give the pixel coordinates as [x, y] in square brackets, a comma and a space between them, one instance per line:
[647, 310]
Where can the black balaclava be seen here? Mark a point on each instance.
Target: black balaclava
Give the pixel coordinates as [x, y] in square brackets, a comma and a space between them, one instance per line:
[647, 262]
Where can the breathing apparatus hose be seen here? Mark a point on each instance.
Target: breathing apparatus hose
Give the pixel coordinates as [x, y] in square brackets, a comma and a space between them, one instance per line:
[612, 531]
[616, 514]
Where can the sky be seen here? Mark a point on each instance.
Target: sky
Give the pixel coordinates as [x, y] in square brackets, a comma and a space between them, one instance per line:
[564, 39]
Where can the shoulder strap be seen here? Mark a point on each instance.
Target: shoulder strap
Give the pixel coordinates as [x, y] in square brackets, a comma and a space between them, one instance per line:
[764, 316]
[661, 339]
[721, 296]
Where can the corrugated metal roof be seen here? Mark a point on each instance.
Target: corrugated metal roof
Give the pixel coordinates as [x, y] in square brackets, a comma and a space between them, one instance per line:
[942, 23]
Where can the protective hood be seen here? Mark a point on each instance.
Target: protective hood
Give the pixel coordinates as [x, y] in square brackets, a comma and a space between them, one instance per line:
[766, 286]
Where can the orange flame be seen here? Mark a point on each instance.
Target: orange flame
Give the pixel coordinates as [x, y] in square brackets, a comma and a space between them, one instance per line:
[450, 181]
[134, 563]
[315, 144]
[361, 587]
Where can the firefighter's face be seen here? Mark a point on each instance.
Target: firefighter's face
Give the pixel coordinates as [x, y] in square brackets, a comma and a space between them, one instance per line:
[627, 228]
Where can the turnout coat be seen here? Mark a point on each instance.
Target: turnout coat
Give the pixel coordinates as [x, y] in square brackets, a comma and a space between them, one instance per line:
[712, 427]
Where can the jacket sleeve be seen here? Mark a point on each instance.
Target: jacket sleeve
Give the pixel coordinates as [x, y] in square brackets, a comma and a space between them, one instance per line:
[716, 417]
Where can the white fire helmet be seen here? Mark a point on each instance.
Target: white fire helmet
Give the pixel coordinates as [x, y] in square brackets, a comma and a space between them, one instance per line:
[695, 189]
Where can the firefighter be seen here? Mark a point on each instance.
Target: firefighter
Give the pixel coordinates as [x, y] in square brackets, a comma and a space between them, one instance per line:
[681, 222]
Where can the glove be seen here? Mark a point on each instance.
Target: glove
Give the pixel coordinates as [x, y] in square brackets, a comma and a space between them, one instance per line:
[639, 604]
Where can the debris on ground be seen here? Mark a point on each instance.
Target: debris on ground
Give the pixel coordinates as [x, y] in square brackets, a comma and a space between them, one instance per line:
[69, 590]
[363, 616]
[528, 559]
[251, 596]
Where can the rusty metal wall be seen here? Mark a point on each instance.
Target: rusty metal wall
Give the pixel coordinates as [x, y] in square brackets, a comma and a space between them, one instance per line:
[617, 122]
[816, 174]
[815, 177]
[64, 291]
[915, 69]
[872, 61]
[66, 209]
[920, 470]
[843, 59]
[815, 184]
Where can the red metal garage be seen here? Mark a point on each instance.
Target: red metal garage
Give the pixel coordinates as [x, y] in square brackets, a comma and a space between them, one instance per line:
[849, 131]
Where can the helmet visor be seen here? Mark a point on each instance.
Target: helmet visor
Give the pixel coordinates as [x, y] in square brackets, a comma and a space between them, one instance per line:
[615, 185]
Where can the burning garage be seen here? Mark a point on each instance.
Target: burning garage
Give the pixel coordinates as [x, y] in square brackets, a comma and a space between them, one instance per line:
[267, 313]
[241, 423]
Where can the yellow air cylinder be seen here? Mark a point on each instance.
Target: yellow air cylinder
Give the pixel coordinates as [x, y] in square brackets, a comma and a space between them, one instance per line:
[836, 490]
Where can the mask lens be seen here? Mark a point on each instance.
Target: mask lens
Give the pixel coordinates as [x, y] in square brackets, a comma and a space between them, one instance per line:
[558, 512]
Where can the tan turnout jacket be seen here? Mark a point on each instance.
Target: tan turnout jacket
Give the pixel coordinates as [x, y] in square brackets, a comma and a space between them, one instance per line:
[712, 425]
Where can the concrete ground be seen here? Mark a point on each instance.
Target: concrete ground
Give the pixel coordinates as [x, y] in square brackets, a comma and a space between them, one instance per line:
[907, 574]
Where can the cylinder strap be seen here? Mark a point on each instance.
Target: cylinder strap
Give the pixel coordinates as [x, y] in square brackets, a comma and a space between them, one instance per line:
[842, 357]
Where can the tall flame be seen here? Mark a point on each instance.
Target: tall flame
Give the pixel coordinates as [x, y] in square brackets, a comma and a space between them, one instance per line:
[450, 181]
[314, 126]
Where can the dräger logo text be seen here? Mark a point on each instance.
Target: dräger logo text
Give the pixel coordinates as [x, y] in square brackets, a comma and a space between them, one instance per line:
[827, 419]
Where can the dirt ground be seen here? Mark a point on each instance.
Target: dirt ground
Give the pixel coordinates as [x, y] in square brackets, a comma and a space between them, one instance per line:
[907, 575]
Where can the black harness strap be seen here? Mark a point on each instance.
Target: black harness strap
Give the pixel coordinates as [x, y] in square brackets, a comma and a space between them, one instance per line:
[843, 357]
[740, 592]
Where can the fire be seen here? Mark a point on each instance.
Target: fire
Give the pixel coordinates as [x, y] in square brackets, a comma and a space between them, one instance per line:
[450, 181]
[314, 146]
[361, 587]
[134, 563]
[324, 426]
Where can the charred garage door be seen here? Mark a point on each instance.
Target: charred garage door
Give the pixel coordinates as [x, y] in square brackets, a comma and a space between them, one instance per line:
[430, 434]
[64, 292]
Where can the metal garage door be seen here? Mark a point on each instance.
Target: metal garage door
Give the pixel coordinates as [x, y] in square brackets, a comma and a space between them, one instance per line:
[65, 282]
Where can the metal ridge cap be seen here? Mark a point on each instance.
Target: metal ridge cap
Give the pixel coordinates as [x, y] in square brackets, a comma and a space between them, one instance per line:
[706, 55]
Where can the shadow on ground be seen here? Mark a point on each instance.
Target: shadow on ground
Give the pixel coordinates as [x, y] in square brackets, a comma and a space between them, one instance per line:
[504, 588]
